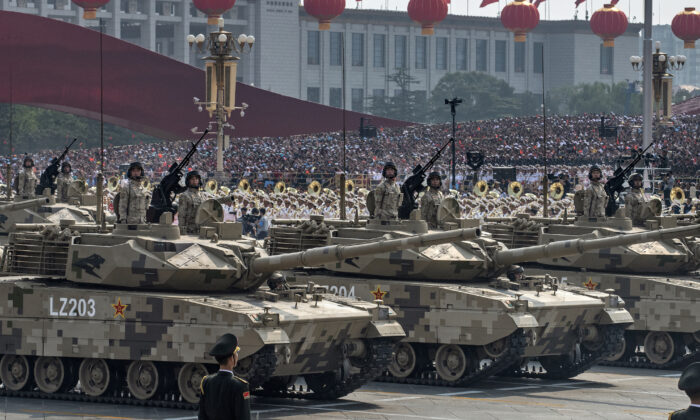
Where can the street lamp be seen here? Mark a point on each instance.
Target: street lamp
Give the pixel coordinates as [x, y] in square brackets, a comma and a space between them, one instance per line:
[221, 66]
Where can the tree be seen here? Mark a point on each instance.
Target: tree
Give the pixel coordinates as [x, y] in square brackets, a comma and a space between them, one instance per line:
[597, 97]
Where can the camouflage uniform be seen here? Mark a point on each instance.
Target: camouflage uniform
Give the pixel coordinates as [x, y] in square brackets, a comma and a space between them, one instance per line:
[634, 205]
[26, 183]
[594, 200]
[387, 198]
[188, 203]
[62, 185]
[133, 202]
[429, 204]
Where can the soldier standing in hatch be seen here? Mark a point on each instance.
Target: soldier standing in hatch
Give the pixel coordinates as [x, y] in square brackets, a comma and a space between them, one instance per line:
[224, 395]
[133, 197]
[595, 198]
[26, 180]
[690, 383]
[189, 202]
[63, 181]
[387, 195]
[430, 202]
[635, 200]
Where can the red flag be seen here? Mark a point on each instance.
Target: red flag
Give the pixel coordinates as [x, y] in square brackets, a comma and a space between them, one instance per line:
[614, 2]
[579, 2]
[487, 2]
[537, 2]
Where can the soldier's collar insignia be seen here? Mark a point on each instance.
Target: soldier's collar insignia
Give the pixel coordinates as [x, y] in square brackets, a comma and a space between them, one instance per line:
[119, 308]
[590, 284]
[378, 293]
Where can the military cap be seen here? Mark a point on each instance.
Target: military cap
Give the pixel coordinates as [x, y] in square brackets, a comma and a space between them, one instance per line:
[226, 345]
[690, 378]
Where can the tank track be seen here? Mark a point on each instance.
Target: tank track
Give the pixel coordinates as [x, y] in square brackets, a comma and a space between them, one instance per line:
[560, 367]
[517, 343]
[379, 354]
[639, 360]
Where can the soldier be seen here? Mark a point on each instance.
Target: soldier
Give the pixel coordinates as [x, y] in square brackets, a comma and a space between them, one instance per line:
[431, 199]
[133, 197]
[26, 180]
[690, 383]
[635, 201]
[515, 273]
[387, 195]
[190, 201]
[224, 395]
[595, 198]
[63, 181]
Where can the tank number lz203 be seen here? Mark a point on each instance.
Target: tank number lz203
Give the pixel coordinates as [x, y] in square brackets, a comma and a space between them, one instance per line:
[71, 307]
[342, 291]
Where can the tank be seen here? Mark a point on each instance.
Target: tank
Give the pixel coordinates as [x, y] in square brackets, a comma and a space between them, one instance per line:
[131, 314]
[40, 210]
[463, 321]
[658, 280]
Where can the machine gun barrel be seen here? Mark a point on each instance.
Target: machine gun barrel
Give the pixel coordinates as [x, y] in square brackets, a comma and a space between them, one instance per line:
[26, 204]
[328, 254]
[578, 246]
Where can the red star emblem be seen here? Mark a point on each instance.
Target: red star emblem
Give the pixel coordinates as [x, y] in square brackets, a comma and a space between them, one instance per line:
[590, 284]
[119, 308]
[378, 294]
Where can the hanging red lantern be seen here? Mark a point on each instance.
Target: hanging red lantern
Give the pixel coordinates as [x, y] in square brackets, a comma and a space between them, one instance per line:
[324, 11]
[427, 13]
[520, 17]
[686, 26]
[213, 8]
[90, 7]
[609, 23]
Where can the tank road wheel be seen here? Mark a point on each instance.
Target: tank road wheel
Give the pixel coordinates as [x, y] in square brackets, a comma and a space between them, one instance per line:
[625, 350]
[497, 348]
[52, 375]
[94, 376]
[403, 362]
[189, 379]
[660, 347]
[15, 372]
[450, 362]
[142, 379]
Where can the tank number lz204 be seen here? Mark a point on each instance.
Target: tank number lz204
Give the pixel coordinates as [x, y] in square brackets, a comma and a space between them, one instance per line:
[71, 307]
[342, 291]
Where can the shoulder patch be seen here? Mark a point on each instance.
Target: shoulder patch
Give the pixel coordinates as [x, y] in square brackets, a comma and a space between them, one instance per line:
[246, 395]
[201, 385]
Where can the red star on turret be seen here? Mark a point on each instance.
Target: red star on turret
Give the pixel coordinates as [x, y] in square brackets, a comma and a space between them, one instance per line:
[119, 308]
[590, 284]
[378, 294]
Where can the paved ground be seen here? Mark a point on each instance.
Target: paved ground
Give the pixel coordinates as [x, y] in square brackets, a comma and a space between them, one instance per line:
[602, 393]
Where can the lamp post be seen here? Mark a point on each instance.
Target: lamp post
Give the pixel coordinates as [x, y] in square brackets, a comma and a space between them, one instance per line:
[221, 66]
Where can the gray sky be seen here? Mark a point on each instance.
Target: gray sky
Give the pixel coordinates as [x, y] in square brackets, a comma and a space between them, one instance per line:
[551, 9]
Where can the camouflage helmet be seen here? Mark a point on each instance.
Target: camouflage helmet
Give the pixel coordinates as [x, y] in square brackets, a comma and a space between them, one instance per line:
[593, 169]
[513, 270]
[387, 165]
[634, 177]
[65, 165]
[133, 166]
[435, 174]
[193, 174]
[24, 162]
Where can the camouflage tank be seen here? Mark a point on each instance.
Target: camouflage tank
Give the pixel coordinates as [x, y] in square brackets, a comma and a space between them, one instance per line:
[457, 311]
[658, 280]
[131, 314]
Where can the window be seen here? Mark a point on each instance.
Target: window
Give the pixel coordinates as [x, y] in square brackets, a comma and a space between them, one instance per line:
[358, 50]
[606, 59]
[313, 94]
[335, 98]
[379, 50]
[441, 53]
[501, 56]
[519, 58]
[482, 46]
[461, 54]
[378, 93]
[357, 100]
[400, 51]
[314, 48]
[336, 48]
[537, 55]
[421, 56]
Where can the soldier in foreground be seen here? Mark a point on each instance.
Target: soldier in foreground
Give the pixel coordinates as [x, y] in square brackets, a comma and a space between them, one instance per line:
[635, 200]
[430, 202]
[595, 198]
[26, 180]
[690, 383]
[189, 202]
[133, 197]
[224, 395]
[63, 182]
[387, 195]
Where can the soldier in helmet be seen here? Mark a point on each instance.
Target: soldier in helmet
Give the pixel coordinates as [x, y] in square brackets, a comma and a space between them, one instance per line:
[133, 196]
[635, 201]
[431, 199]
[515, 273]
[26, 180]
[387, 195]
[690, 383]
[63, 181]
[595, 198]
[190, 200]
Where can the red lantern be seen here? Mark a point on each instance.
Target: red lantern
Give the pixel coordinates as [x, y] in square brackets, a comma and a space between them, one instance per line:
[609, 23]
[686, 26]
[213, 8]
[427, 13]
[324, 11]
[90, 7]
[520, 17]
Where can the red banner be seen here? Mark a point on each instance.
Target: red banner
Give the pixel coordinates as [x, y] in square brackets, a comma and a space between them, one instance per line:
[487, 2]
[537, 2]
[579, 2]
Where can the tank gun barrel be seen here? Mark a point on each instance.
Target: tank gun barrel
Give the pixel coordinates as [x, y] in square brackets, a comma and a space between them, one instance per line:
[26, 204]
[578, 246]
[327, 254]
